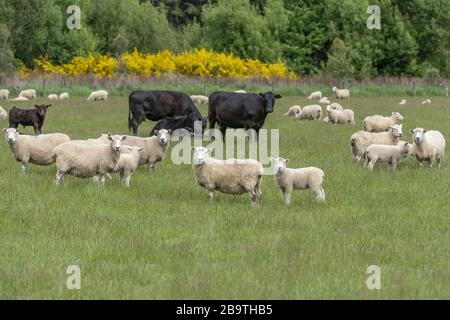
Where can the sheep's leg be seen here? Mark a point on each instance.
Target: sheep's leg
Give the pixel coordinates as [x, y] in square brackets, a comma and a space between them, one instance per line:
[287, 195]
[430, 162]
[253, 198]
[393, 164]
[211, 195]
[127, 179]
[371, 164]
[152, 166]
[23, 167]
[439, 161]
[258, 187]
[319, 193]
[59, 177]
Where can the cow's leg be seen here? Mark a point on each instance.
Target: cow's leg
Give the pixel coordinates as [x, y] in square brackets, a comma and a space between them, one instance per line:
[223, 130]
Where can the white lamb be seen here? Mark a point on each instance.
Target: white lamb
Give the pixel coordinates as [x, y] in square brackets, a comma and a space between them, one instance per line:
[341, 93]
[4, 94]
[386, 153]
[315, 95]
[346, 116]
[33, 149]
[325, 101]
[294, 179]
[428, 101]
[29, 94]
[3, 113]
[312, 112]
[380, 123]
[428, 146]
[64, 95]
[53, 96]
[334, 106]
[200, 100]
[402, 103]
[360, 140]
[87, 161]
[99, 95]
[293, 111]
[128, 163]
[231, 176]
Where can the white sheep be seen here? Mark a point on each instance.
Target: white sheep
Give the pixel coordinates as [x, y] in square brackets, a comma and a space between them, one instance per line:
[4, 94]
[53, 96]
[200, 100]
[386, 153]
[29, 94]
[360, 140]
[87, 161]
[293, 111]
[3, 113]
[380, 123]
[428, 101]
[33, 149]
[240, 91]
[341, 93]
[312, 112]
[428, 146]
[334, 106]
[294, 179]
[128, 163]
[99, 95]
[402, 103]
[315, 95]
[325, 101]
[231, 176]
[340, 116]
[64, 95]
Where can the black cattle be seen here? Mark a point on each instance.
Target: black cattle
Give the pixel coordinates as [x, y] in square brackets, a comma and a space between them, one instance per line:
[240, 110]
[28, 117]
[157, 105]
[182, 122]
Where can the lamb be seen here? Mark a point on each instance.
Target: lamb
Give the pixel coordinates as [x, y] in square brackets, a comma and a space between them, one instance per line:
[128, 162]
[428, 146]
[402, 103]
[341, 93]
[64, 95]
[360, 140]
[37, 150]
[379, 123]
[53, 96]
[315, 95]
[312, 112]
[231, 176]
[386, 153]
[293, 111]
[99, 95]
[4, 94]
[87, 161]
[428, 101]
[200, 100]
[29, 94]
[324, 100]
[294, 179]
[340, 116]
[334, 106]
[3, 113]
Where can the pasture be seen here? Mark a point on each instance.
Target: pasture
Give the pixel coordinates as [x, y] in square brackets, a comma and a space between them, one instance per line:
[162, 239]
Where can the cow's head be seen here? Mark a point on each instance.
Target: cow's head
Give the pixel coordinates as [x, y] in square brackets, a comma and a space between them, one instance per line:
[11, 135]
[42, 109]
[270, 100]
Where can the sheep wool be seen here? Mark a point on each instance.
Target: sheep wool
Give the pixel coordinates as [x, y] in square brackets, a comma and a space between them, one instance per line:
[379, 123]
[386, 153]
[429, 146]
[293, 111]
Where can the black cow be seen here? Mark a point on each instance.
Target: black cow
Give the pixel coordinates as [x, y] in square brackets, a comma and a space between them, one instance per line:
[181, 122]
[28, 117]
[240, 110]
[157, 105]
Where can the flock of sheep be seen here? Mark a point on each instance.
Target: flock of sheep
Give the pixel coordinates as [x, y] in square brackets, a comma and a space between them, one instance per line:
[98, 158]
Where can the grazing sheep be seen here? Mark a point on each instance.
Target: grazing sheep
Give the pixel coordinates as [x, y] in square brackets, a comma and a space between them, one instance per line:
[428, 101]
[3, 113]
[379, 123]
[231, 176]
[4, 94]
[324, 100]
[293, 111]
[386, 153]
[64, 95]
[315, 95]
[294, 179]
[402, 103]
[312, 112]
[360, 140]
[240, 91]
[428, 146]
[20, 99]
[341, 93]
[128, 162]
[29, 94]
[29, 117]
[336, 106]
[99, 95]
[200, 100]
[87, 161]
[53, 96]
[33, 149]
[340, 116]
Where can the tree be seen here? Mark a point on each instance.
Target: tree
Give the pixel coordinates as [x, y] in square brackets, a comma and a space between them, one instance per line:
[338, 64]
[6, 53]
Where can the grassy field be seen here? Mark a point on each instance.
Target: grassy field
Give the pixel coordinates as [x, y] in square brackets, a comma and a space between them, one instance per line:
[161, 238]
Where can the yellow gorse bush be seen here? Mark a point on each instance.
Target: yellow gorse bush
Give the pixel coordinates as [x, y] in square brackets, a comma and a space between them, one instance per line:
[200, 62]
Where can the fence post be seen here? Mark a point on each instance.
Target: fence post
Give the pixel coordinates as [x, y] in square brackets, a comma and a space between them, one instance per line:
[43, 86]
[414, 88]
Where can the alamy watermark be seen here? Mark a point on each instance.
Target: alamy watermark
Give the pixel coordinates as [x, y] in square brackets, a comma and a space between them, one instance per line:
[74, 278]
[74, 20]
[374, 280]
[374, 20]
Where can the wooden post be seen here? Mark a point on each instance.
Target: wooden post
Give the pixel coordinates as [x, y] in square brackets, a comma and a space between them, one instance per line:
[43, 86]
[414, 88]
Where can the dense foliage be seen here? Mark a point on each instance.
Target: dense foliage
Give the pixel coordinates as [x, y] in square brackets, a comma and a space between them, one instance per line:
[310, 36]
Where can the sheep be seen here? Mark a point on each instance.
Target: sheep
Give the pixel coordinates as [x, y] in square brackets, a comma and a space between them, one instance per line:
[240, 91]
[200, 100]
[360, 140]
[428, 146]
[324, 100]
[128, 162]
[293, 111]
[20, 99]
[29, 94]
[230, 176]
[64, 95]
[99, 95]
[3, 113]
[312, 112]
[379, 123]
[402, 103]
[340, 116]
[53, 96]
[386, 153]
[87, 161]
[315, 95]
[428, 101]
[37, 150]
[341, 93]
[294, 179]
[4, 94]
[334, 106]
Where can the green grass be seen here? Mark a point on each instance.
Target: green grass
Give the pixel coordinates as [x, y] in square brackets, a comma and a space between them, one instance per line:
[162, 239]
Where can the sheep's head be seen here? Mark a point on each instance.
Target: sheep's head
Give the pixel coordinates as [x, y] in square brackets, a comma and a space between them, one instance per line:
[418, 134]
[334, 89]
[42, 109]
[279, 164]
[397, 115]
[396, 130]
[200, 156]
[270, 100]
[163, 135]
[116, 141]
[11, 135]
[329, 108]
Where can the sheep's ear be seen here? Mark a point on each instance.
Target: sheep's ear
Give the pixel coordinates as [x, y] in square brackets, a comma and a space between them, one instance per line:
[286, 161]
[193, 149]
[169, 131]
[4, 129]
[411, 131]
[140, 149]
[124, 138]
[156, 131]
[110, 136]
[424, 131]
